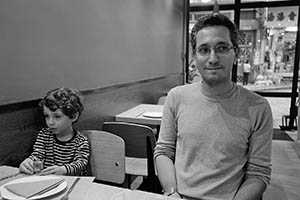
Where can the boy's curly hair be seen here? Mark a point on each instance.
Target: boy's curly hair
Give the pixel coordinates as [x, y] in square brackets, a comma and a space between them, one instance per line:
[67, 99]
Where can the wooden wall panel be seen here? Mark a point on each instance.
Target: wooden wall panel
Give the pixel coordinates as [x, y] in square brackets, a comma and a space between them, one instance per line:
[19, 124]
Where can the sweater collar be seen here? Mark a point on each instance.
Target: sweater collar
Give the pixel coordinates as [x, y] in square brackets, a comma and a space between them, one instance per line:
[217, 97]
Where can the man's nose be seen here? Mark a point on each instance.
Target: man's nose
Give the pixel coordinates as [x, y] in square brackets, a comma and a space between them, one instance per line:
[213, 57]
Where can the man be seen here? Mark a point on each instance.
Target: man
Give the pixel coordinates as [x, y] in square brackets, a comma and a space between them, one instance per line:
[215, 137]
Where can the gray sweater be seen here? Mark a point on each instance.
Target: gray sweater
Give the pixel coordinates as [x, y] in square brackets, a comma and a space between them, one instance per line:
[216, 141]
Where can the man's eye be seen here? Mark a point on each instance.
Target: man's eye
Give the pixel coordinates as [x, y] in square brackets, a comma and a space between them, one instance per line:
[203, 50]
[222, 48]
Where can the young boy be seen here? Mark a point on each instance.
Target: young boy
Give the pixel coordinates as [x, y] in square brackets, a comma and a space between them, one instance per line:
[63, 150]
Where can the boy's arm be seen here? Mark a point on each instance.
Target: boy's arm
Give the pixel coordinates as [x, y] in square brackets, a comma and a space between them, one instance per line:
[39, 147]
[81, 159]
[38, 151]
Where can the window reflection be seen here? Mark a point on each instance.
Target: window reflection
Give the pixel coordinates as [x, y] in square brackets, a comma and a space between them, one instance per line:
[209, 2]
[267, 41]
[248, 1]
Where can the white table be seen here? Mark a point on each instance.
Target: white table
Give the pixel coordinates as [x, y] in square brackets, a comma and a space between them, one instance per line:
[11, 173]
[106, 192]
[135, 114]
[86, 190]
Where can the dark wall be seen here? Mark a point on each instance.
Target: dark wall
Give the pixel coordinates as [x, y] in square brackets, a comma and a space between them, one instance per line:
[86, 44]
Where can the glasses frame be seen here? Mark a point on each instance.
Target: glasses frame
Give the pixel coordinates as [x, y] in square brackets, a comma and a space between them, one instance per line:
[215, 49]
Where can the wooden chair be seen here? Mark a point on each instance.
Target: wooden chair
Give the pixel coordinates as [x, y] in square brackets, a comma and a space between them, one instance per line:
[107, 157]
[140, 143]
[161, 100]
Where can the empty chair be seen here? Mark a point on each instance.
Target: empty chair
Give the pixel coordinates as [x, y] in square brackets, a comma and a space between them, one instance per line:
[139, 146]
[107, 156]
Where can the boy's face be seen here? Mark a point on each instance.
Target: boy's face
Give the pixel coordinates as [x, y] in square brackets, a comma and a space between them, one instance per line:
[58, 122]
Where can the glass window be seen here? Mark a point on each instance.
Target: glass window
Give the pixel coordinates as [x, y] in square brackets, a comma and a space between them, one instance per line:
[209, 2]
[248, 1]
[267, 42]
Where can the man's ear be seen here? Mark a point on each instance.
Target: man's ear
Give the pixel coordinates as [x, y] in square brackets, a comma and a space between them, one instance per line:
[75, 117]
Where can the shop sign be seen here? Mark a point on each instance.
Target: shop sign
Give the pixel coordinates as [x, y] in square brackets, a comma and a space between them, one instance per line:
[281, 17]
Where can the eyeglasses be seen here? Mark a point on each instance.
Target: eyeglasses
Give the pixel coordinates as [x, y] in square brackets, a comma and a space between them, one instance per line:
[220, 49]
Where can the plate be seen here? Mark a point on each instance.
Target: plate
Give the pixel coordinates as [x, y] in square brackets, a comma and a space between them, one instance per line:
[153, 114]
[12, 196]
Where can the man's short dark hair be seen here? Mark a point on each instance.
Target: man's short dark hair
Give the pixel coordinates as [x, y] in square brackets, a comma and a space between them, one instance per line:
[215, 19]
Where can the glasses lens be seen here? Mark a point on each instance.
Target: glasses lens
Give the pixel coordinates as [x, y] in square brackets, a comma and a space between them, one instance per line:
[220, 49]
[223, 48]
[204, 50]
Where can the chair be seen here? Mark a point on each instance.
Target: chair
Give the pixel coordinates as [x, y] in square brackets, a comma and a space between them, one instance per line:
[107, 156]
[140, 142]
[285, 120]
[161, 100]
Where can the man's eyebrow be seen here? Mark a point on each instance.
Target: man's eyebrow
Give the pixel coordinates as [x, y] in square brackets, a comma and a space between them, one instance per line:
[207, 45]
[223, 43]
[203, 45]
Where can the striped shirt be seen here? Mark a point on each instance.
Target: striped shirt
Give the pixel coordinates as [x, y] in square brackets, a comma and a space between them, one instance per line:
[73, 154]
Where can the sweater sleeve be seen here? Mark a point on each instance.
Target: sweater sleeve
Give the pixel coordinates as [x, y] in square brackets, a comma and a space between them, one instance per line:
[39, 145]
[166, 143]
[260, 143]
[80, 161]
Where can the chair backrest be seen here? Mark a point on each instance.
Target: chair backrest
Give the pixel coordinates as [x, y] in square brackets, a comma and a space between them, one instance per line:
[139, 140]
[107, 156]
[161, 100]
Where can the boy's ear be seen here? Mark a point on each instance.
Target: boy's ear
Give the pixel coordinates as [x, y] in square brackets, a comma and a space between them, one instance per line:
[75, 117]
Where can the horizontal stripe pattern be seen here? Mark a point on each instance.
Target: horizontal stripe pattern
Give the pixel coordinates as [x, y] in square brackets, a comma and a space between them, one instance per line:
[72, 154]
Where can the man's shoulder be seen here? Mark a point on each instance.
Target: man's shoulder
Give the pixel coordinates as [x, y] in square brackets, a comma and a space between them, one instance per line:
[184, 88]
[250, 95]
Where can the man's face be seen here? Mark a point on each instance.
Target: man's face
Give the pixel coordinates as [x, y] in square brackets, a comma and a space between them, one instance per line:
[214, 55]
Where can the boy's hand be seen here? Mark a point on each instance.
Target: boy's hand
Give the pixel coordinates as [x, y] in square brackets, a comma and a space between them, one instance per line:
[26, 166]
[58, 170]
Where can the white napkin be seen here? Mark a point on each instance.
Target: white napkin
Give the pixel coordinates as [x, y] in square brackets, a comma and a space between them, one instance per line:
[28, 189]
[7, 171]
